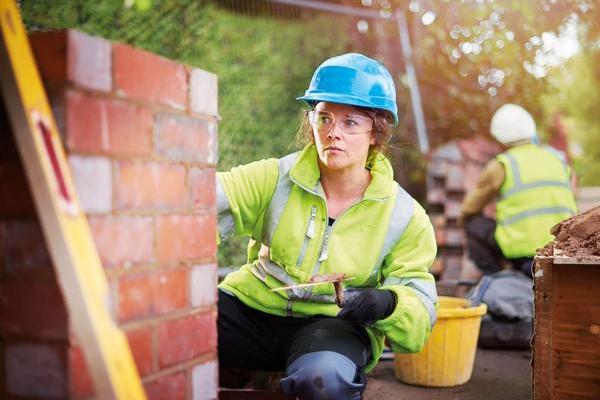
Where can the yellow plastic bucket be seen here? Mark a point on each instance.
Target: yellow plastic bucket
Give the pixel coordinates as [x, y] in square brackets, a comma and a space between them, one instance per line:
[447, 358]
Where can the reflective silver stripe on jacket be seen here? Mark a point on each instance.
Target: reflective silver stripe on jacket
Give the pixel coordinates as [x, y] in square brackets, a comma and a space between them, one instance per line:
[226, 225]
[404, 207]
[261, 269]
[280, 196]
[519, 186]
[425, 290]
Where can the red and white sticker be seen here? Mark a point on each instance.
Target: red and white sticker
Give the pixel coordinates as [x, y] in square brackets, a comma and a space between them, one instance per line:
[64, 194]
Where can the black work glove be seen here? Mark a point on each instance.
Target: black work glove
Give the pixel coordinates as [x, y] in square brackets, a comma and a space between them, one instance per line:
[369, 306]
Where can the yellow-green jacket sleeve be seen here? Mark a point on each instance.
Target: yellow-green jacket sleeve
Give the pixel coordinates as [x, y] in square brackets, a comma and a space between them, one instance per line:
[243, 195]
[406, 273]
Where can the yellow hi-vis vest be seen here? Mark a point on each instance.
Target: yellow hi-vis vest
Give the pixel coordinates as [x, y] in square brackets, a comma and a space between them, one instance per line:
[536, 195]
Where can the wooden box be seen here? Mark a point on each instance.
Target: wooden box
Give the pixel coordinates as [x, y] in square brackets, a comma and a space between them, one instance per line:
[566, 341]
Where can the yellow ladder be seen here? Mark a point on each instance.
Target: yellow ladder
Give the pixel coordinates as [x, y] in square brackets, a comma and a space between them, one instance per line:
[65, 227]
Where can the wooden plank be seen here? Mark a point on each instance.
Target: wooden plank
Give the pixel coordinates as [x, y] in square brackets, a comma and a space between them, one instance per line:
[65, 227]
[576, 331]
[542, 339]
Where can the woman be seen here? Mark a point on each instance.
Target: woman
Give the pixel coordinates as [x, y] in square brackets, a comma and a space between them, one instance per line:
[333, 207]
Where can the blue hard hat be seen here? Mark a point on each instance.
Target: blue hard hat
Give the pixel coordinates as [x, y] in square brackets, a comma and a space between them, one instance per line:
[353, 79]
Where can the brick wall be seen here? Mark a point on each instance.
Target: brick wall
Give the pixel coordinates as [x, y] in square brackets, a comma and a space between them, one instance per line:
[141, 136]
[453, 170]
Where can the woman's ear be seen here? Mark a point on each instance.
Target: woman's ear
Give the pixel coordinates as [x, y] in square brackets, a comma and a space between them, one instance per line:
[372, 140]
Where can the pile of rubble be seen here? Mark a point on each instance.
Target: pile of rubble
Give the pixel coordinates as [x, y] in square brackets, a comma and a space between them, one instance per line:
[576, 237]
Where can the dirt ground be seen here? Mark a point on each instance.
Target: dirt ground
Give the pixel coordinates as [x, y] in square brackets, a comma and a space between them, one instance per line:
[497, 375]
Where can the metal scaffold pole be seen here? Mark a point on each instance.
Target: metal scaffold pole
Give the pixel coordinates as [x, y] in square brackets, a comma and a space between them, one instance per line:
[413, 84]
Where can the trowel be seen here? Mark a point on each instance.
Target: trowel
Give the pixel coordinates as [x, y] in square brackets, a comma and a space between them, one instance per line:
[335, 278]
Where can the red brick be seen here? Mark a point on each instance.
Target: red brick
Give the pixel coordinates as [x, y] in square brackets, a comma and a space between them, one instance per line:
[202, 184]
[152, 293]
[185, 338]
[140, 342]
[180, 237]
[452, 209]
[123, 240]
[142, 75]
[74, 56]
[93, 182]
[455, 178]
[203, 92]
[32, 310]
[89, 63]
[154, 186]
[35, 370]
[186, 139]
[50, 51]
[86, 130]
[436, 195]
[95, 125]
[23, 247]
[80, 382]
[205, 381]
[129, 129]
[171, 387]
[203, 285]
[454, 237]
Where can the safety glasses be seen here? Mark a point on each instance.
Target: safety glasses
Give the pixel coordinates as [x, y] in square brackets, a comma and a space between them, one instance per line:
[351, 124]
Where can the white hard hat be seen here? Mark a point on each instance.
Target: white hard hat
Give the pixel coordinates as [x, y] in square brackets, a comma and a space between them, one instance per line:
[512, 123]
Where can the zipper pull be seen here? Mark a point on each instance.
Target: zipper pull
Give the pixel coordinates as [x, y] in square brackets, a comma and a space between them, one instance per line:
[310, 232]
[323, 256]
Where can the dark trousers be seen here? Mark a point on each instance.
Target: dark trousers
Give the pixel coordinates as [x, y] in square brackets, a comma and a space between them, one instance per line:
[251, 339]
[484, 250]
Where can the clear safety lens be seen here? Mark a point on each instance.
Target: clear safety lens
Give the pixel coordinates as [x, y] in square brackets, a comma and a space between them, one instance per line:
[351, 124]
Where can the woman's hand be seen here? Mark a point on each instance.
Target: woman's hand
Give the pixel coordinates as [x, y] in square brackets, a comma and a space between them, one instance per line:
[369, 306]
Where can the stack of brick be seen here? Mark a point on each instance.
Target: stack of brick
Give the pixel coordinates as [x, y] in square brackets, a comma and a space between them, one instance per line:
[453, 169]
[141, 136]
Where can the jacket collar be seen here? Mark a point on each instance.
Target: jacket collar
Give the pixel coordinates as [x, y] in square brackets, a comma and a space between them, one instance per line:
[305, 173]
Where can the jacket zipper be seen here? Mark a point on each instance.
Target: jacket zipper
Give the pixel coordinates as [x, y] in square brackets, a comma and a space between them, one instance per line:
[310, 233]
[324, 251]
[325, 246]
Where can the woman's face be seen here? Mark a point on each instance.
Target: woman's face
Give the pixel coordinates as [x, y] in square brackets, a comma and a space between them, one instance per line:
[343, 135]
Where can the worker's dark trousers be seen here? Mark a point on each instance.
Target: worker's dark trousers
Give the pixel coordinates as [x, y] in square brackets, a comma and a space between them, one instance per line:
[483, 248]
[323, 357]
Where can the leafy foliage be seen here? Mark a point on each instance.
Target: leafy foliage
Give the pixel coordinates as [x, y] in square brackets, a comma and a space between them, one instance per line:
[576, 95]
[474, 55]
[478, 54]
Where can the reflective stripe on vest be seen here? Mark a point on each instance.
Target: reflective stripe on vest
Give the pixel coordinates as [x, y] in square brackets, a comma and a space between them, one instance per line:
[536, 211]
[280, 196]
[519, 186]
[400, 218]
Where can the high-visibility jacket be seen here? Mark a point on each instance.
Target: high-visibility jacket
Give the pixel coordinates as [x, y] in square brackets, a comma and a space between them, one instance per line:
[535, 195]
[384, 240]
